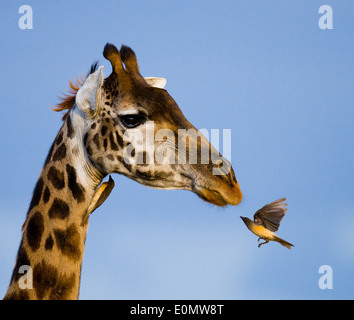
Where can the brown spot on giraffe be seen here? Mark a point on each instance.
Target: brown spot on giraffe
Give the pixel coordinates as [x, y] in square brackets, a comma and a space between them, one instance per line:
[46, 195]
[49, 243]
[35, 230]
[70, 129]
[64, 287]
[59, 209]
[75, 187]
[60, 153]
[68, 241]
[44, 278]
[56, 177]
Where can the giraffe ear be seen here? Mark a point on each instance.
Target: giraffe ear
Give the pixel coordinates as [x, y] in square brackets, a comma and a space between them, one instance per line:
[88, 94]
[156, 82]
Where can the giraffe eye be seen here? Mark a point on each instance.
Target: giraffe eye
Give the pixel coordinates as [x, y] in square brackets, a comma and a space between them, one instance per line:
[132, 120]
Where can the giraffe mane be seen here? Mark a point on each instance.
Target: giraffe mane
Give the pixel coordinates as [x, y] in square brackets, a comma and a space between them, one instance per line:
[67, 101]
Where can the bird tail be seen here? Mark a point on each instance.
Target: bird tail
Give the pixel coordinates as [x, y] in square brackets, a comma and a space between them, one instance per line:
[284, 243]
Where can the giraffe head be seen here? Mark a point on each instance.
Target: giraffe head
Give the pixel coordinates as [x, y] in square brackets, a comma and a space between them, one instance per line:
[132, 126]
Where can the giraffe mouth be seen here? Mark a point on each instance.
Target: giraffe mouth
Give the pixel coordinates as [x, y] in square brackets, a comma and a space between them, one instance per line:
[222, 196]
[211, 196]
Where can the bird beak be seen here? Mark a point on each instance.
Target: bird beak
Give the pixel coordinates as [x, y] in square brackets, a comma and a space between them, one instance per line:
[243, 218]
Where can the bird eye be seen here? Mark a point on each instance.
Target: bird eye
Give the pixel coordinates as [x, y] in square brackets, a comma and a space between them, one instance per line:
[132, 120]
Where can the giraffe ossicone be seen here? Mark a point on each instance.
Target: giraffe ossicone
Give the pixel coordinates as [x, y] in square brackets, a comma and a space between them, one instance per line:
[91, 144]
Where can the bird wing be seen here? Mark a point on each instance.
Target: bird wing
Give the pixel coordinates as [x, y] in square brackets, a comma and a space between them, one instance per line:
[271, 214]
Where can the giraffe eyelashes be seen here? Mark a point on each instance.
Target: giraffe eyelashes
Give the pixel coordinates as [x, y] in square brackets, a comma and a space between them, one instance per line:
[132, 120]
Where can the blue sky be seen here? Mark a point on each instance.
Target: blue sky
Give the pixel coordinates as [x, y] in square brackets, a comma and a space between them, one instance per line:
[263, 69]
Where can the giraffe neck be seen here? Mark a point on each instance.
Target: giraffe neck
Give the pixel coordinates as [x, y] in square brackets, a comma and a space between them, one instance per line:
[53, 238]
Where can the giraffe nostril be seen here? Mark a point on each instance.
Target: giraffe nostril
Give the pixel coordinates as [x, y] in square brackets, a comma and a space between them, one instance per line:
[218, 163]
[223, 168]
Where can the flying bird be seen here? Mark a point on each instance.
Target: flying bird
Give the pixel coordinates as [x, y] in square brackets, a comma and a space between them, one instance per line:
[266, 221]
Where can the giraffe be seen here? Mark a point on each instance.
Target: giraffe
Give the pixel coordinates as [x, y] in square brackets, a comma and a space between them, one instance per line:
[91, 144]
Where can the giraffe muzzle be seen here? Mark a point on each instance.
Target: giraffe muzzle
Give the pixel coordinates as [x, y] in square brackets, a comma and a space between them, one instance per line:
[226, 191]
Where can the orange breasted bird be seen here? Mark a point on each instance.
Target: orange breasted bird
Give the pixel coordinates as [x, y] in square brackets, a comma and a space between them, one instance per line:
[266, 221]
